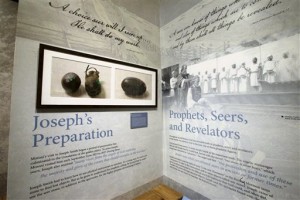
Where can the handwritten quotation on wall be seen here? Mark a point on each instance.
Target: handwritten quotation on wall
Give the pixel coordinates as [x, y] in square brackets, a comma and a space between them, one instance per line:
[85, 22]
[224, 18]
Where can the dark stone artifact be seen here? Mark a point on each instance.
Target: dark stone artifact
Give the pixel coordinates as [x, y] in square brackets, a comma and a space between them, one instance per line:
[133, 86]
[92, 82]
[70, 82]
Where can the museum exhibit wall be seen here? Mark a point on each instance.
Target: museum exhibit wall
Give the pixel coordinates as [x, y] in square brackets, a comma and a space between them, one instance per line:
[227, 127]
[81, 153]
[231, 122]
[8, 18]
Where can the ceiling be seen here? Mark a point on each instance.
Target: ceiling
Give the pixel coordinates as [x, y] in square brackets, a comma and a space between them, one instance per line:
[170, 9]
[158, 12]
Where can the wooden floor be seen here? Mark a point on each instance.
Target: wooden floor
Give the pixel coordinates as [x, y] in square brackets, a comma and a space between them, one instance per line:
[161, 192]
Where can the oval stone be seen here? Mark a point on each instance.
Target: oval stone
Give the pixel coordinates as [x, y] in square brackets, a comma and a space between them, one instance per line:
[70, 82]
[133, 86]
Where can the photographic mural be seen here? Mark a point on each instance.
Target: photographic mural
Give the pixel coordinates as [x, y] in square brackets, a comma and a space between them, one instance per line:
[258, 74]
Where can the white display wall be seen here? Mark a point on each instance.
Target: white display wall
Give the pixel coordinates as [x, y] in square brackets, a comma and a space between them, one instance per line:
[240, 140]
[80, 153]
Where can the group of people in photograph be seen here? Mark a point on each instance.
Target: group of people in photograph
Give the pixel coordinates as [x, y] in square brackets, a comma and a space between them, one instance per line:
[242, 78]
[183, 86]
[234, 79]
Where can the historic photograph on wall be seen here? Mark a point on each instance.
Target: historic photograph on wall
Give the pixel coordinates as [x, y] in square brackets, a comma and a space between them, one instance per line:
[262, 75]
